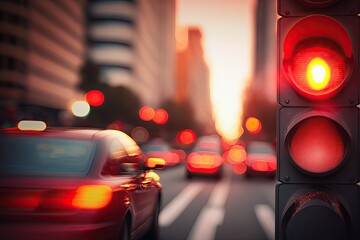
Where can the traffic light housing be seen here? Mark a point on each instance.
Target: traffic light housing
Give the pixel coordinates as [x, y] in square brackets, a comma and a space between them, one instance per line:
[318, 120]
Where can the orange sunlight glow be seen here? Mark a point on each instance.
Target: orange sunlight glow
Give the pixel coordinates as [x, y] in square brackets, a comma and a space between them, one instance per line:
[228, 43]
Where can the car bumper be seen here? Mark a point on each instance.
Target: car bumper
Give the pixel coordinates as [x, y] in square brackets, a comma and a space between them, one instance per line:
[103, 231]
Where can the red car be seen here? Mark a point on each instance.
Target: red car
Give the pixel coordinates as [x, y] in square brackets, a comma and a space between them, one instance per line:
[260, 159]
[76, 184]
[205, 158]
[158, 148]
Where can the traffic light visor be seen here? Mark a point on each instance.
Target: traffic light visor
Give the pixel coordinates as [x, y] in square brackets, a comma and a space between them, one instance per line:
[316, 61]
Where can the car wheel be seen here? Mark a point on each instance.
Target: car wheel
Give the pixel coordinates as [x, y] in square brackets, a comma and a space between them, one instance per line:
[154, 228]
[125, 231]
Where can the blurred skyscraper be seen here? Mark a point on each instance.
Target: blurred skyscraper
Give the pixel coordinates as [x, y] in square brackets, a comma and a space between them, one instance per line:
[133, 42]
[193, 79]
[260, 99]
[264, 81]
[41, 51]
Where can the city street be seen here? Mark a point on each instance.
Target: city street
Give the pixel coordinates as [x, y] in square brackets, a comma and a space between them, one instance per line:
[204, 208]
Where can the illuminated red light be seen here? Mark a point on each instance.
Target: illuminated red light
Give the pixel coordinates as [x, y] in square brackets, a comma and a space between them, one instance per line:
[317, 145]
[146, 113]
[237, 154]
[318, 71]
[92, 196]
[94, 98]
[239, 168]
[260, 166]
[186, 136]
[161, 116]
[206, 160]
[318, 56]
[253, 125]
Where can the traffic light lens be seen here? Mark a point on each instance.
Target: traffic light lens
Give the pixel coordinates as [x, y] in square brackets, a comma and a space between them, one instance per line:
[316, 215]
[318, 70]
[318, 3]
[317, 145]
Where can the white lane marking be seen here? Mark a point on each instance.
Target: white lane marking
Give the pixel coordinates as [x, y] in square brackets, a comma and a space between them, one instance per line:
[212, 215]
[266, 217]
[206, 224]
[178, 204]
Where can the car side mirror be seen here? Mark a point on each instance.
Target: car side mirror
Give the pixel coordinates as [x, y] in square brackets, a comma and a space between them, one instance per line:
[155, 163]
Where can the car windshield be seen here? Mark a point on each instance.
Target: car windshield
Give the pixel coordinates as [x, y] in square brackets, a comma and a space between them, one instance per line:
[260, 148]
[45, 156]
[155, 148]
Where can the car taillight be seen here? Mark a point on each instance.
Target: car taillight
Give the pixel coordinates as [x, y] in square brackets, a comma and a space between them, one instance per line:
[204, 160]
[263, 166]
[240, 168]
[92, 196]
[260, 166]
[84, 197]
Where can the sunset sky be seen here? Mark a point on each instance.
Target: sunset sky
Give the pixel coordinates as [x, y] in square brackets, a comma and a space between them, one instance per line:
[228, 29]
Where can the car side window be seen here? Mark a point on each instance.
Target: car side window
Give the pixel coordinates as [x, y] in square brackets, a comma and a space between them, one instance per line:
[116, 155]
[135, 154]
[124, 157]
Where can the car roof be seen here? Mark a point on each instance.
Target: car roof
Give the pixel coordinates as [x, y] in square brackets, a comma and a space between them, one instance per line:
[78, 133]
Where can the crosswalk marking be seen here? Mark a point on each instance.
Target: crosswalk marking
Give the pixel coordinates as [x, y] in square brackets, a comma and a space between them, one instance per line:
[265, 215]
[213, 213]
[178, 204]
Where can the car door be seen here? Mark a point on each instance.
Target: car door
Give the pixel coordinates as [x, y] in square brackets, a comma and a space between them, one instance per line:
[145, 197]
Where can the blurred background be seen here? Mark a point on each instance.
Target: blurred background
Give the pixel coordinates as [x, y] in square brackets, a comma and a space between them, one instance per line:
[158, 67]
[166, 72]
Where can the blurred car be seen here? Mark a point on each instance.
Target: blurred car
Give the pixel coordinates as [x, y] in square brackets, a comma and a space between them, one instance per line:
[158, 148]
[260, 159]
[205, 157]
[76, 184]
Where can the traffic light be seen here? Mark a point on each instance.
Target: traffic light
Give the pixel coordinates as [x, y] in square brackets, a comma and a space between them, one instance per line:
[318, 120]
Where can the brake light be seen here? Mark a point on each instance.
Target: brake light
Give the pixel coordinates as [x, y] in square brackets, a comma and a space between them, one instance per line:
[240, 168]
[92, 196]
[208, 160]
[261, 166]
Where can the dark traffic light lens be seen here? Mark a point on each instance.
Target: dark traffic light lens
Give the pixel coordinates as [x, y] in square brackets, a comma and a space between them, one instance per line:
[318, 3]
[317, 145]
[316, 214]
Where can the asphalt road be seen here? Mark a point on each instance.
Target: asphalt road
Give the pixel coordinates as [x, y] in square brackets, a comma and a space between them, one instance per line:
[202, 208]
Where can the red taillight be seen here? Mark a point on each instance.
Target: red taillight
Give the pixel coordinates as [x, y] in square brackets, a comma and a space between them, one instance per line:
[19, 199]
[317, 145]
[92, 196]
[204, 160]
[260, 166]
[272, 165]
[37, 199]
[239, 168]
[85, 197]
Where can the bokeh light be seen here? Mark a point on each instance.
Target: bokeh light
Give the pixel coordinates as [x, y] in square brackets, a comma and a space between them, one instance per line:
[80, 108]
[253, 125]
[161, 116]
[95, 98]
[146, 113]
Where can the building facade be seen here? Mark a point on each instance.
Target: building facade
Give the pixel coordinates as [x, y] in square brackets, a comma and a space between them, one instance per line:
[133, 43]
[42, 47]
[193, 78]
